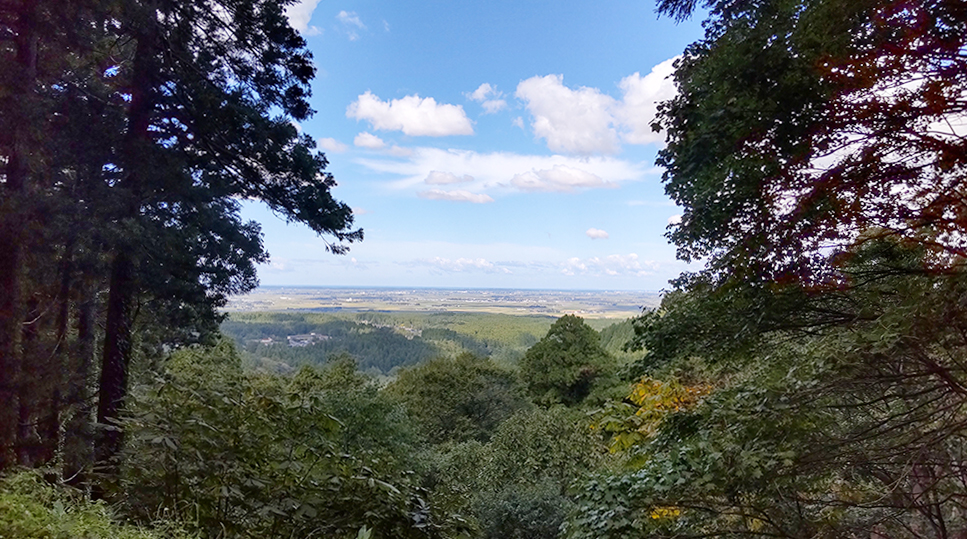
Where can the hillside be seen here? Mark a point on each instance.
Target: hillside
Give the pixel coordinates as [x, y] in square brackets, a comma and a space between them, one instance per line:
[380, 342]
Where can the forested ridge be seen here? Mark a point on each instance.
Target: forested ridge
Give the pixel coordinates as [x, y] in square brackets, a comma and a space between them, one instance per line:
[382, 342]
[807, 382]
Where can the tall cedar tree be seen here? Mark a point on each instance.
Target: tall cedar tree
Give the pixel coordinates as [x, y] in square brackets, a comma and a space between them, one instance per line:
[144, 124]
[564, 366]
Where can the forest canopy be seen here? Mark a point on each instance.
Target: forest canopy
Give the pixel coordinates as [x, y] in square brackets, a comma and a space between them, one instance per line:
[809, 381]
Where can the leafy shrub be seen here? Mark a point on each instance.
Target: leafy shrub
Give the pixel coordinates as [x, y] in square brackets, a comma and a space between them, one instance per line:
[31, 508]
[254, 455]
[522, 512]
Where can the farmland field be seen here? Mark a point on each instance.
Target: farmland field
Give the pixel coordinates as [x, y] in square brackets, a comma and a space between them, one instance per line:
[587, 304]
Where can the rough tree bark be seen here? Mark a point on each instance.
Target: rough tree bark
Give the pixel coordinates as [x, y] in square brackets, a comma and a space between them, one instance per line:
[12, 226]
[123, 286]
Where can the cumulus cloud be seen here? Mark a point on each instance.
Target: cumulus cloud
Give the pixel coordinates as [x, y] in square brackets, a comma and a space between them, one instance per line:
[560, 178]
[351, 24]
[455, 196]
[299, 15]
[571, 121]
[331, 145]
[488, 96]
[597, 234]
[464, 264]
[674, 220]
[412, 115]
[435, 177]
[586, 121]
[640, 103]
[482, 92]
[613, 265]
[369, 140]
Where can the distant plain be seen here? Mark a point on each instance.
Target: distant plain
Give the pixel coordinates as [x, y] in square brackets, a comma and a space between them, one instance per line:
[554, 303]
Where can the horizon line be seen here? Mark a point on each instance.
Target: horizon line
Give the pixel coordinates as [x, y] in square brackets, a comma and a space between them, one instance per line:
[395, 287]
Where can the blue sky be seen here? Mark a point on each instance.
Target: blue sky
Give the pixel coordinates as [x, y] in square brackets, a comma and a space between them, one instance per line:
[488, 144]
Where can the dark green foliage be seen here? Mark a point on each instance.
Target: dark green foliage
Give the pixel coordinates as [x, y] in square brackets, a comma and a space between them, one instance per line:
[31, 508]
[827, 433]
[566, 365]
[130, 131]
[459, 399]
[522, 511]
[829, 323]
[616, 337]
[374, 348]
[382, 341]
[519, 484]
[538, 445]
[618, 340]
[786, 143]
[372, 425]
[243, 455]
[466, 342]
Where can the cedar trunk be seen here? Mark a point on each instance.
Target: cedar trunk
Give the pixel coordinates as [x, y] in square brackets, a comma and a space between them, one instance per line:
[11, 233]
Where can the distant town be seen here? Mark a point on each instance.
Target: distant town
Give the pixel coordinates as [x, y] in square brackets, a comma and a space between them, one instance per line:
[587, 304]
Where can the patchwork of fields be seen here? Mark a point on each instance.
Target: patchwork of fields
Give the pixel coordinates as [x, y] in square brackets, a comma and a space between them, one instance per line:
[589, 304]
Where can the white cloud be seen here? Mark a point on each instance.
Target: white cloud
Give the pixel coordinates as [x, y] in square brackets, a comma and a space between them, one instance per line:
[492, 106]
[351, 24]
[435, 177]
[585, 121]
[280, 264]
[299, 15]
[464, 264]
[369, 140]
[613, 265]
[412, 115]
[560, 179]
[496, 172]
[489, 98]
[597, 234]
[518, 122]
[571, 121]
[331, 145]
[674, 220]
[640, 104]
[350, 19]
[482, 92]
[455, 196]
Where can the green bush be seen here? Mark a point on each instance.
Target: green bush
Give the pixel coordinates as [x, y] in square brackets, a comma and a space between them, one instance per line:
[251, 456]
[31, 508]
[522, 512]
